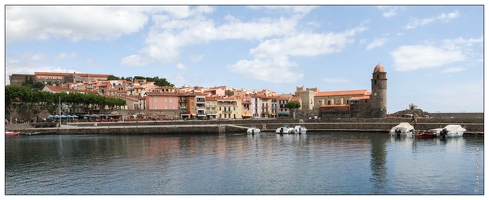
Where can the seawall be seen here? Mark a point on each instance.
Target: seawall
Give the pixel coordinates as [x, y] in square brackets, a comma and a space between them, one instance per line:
[473, 126]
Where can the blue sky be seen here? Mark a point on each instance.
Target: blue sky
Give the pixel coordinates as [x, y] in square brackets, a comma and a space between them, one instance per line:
[433, 55]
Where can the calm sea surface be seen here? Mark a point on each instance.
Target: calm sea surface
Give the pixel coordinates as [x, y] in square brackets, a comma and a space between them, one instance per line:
[316, 163]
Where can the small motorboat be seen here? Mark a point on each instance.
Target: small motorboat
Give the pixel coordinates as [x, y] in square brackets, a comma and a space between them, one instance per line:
[11, 134]
[284, 129]
[450, 131]
[403, 128]
[253, 130]
[426, 134]
[300, 129]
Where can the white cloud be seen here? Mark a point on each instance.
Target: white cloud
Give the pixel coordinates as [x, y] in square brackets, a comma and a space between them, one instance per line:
[453, 69]
[72, 22]
[196, 58]
[389, 11]
[181, 66]
[314, 24]
[36, 57]
[377, 43]
[442, 17]
[64, 56]
[90, 62]
[414, 57]
[306, 44]
[133, 60]
[461, 43]
[14, 66]
[336, 80]
[271, 56]
[288, 9]
[275, 70]
[168, 35]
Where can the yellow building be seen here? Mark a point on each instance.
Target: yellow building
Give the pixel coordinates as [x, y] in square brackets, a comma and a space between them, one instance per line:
[229, 108]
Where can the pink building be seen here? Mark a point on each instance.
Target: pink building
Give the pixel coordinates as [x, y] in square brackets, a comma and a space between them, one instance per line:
[162, 101]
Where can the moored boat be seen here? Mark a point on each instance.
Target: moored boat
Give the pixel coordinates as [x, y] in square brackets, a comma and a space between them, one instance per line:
[11, 134]
[426, 134]
[284, 129]
[253, 130]
[451, 130]
[300, 129]
[404, 128]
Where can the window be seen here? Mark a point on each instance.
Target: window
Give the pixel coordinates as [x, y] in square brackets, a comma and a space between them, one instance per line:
[171, 99]
[154, 99]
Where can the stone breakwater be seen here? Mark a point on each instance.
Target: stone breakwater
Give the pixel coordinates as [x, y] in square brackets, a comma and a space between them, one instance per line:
[474, 127]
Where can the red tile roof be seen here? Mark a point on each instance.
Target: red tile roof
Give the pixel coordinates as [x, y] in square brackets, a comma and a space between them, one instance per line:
[342, 93]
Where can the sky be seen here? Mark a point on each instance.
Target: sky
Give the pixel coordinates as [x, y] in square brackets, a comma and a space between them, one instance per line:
[433, 55]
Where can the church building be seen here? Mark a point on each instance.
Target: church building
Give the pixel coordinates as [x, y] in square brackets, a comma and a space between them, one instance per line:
[356, 103]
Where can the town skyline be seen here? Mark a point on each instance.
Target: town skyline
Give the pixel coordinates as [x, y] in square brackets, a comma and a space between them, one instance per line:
[432, 54]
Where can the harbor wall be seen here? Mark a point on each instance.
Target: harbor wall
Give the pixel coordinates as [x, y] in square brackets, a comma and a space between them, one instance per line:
[473, 126]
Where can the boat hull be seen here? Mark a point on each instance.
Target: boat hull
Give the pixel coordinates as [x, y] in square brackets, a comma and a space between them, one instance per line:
[253, 131]
[12, 134]
[451, 131]
[403, 128]
[285, 130]
[300, 130]
[426, 135]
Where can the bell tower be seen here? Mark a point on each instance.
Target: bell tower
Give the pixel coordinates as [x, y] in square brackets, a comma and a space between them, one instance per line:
[378, 98]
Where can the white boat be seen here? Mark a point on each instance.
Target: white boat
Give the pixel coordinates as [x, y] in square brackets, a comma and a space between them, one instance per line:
[300, 129]
[253, 130]
[403, 128]
[285, 129]
[451, 130]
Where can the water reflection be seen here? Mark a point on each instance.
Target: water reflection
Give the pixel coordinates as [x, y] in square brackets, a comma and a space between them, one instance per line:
[265, 163]
[378, 162]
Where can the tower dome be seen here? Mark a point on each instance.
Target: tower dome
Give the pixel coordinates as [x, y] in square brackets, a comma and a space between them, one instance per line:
[379, 68]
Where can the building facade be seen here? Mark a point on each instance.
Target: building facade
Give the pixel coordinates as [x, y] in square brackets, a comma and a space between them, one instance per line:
[378, 99]
[356, 103]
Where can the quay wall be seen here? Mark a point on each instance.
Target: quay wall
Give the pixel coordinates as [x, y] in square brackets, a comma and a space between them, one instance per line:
[472, 129]
[257, 122]
[473, 126]
[73, 130]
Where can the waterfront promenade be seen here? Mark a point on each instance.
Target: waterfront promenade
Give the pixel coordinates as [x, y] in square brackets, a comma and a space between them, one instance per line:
[474, 126]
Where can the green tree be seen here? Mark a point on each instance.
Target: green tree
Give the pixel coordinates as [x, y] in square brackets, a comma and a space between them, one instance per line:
[112, 77]
[293, 105]
[13, 98]
[158, 81]
[38, 86]
[28, 82]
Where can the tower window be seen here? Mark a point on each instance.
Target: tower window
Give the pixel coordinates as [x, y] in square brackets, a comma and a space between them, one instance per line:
[375, 82]
[377, 75]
